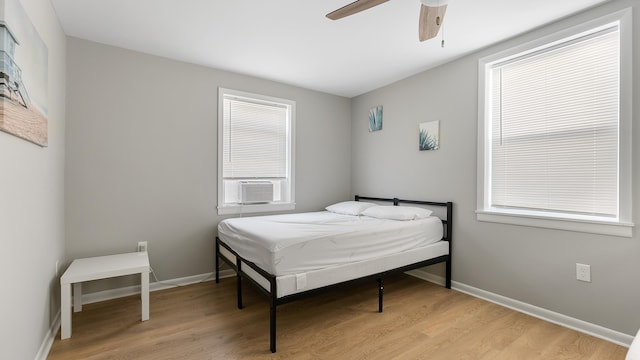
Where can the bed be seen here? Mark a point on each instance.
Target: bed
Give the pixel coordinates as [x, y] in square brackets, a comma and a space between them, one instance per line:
[287, 257]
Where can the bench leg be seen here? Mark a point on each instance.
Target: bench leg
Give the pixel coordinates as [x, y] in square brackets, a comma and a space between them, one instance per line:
[77, 297]
[144, 294]
[65, 311]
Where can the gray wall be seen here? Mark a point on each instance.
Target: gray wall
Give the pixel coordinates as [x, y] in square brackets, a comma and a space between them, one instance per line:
[533, 265]
[32, 210]
[141, 155]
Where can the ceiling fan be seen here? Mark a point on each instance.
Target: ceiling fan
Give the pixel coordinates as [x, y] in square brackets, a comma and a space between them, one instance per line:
[431, 14]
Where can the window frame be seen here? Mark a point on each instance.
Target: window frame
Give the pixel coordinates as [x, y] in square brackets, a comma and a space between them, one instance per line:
[620, 226]
[237, 208]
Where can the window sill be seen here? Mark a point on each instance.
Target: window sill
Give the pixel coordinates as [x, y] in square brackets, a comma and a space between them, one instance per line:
[254, 208]
[602, 227]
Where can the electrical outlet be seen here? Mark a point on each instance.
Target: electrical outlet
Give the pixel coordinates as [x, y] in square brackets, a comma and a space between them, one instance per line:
[142, 246]
[583, 272]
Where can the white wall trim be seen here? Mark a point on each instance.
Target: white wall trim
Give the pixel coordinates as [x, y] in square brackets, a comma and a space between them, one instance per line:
[598, 331]
[43, 352]
[154, 286]
[427, 276]
[45, 347]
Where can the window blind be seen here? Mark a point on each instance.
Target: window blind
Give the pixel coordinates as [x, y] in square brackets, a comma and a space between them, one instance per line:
[554, 127]
[255, 137]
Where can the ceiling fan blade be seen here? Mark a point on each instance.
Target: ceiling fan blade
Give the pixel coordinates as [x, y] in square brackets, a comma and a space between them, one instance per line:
[353, 8]
[431, 18]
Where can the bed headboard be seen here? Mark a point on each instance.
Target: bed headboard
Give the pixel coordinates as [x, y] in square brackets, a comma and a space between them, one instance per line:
[447, 223]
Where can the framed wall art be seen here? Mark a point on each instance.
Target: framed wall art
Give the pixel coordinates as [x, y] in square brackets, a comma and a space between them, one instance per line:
[23, 76]
[375, 118]
[429, 138]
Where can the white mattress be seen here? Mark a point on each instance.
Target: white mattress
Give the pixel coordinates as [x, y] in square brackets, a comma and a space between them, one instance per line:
[296, 283]
[307, 242]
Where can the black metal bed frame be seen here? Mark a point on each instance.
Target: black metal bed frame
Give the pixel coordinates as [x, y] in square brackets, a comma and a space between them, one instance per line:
[272, 293]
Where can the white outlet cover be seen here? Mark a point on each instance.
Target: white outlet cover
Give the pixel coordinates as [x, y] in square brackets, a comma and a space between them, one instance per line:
[583, 272]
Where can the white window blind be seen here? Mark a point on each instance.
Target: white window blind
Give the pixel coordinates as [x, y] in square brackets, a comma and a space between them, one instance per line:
[555, 127]
[256, 153]
[255, 137]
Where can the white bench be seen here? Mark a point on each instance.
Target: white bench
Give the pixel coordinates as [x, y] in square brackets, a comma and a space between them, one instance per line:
[101, 267]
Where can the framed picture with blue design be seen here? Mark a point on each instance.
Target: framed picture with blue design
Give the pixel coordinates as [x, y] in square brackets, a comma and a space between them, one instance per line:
[375, 118]
[429, 138]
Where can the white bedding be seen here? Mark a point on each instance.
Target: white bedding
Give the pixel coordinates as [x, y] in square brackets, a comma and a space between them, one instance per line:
[306, 242]
[296, 283]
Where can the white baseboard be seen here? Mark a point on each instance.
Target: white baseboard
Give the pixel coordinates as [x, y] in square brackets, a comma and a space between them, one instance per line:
[598, 331]
[45, 347]
[43, 352]
[154, 286]
[427, 276]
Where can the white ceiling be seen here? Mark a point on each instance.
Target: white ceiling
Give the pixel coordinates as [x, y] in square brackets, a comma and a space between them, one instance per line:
[291, 41]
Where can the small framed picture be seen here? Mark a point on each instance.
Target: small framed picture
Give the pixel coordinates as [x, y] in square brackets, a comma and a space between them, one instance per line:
[429, 138]
[375, 118]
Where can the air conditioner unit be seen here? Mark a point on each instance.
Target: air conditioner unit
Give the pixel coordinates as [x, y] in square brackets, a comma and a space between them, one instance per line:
[252, 192]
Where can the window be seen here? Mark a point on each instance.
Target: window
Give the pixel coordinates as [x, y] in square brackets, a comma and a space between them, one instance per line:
[255, 153]
[552, 146]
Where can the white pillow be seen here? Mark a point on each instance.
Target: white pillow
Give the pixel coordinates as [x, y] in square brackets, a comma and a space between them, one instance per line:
[349, 207]
[397, 212]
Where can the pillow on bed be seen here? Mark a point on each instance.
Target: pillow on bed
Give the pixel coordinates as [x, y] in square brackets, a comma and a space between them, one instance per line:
[349, 207]
[397, 212]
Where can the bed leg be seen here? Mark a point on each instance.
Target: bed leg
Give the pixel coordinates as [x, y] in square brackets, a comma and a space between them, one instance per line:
[217, 262]
[239, 283]
[272, 328]
[448, 273]
[272, 315]
[380, 291]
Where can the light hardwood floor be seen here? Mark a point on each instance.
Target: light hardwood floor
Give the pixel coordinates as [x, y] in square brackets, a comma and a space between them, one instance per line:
[420, 321]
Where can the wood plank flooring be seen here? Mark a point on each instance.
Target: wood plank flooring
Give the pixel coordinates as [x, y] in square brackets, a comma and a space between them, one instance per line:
[420, 321]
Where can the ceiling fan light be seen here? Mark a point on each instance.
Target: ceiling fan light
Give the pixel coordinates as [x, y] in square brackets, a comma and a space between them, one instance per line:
[431, 19]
